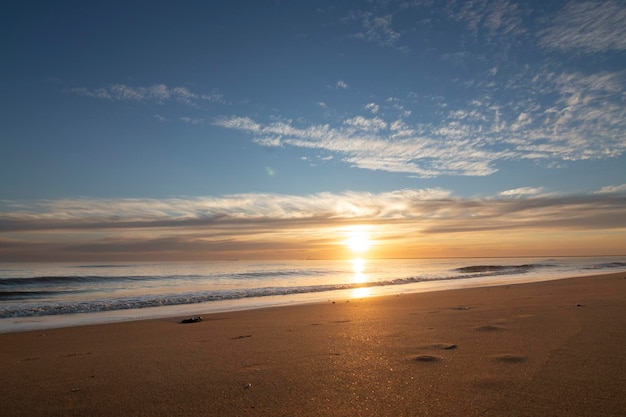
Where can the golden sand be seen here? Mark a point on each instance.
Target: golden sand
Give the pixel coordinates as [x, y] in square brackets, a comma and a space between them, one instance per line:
[555, 348]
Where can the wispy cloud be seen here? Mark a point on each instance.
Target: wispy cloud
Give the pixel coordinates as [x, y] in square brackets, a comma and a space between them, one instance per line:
[271, 224]
[435, 205]
[372, 107]
[159, 93]
[548, 117]
[377, 29]
[372, 143]
[496, 18]
[588, 27]
[586, 121]
[192, 120]
[523, 191]
[79, 213]
[612, 189]
[492, 21]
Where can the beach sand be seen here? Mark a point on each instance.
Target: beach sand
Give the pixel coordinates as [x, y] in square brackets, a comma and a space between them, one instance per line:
[555, 348]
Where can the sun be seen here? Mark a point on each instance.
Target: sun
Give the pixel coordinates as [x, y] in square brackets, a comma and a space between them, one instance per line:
[358, 241]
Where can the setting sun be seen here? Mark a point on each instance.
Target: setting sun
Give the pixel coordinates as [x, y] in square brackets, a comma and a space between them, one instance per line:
[358, 240]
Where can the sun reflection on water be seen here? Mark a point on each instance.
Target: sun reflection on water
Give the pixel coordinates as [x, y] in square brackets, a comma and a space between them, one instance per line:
[358, 265]
[359, 277]
[361, 292]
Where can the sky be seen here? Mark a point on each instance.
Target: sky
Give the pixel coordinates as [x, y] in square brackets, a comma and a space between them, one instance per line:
[205, 130]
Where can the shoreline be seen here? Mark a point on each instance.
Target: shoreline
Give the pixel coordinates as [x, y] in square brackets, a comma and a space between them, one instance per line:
[543, 348]
[37, 323]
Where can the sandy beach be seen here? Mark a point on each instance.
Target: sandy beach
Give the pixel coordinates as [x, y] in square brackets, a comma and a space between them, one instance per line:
[554, 348]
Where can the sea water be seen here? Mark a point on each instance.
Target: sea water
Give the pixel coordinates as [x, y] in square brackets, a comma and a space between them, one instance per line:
[45, 295]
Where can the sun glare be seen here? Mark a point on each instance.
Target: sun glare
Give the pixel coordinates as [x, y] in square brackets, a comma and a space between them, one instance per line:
[361, 292]
[358, 241]
[358, 265]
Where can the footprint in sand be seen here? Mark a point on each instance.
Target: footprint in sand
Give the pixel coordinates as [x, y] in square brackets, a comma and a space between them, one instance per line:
[440, 346]
[427, 359]
[489, 328]
[434, 346]
[508, 358]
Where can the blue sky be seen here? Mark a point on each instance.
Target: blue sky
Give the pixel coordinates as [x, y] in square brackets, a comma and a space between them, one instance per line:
[448, 119]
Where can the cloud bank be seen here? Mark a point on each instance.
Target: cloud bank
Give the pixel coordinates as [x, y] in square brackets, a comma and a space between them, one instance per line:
[402, 223]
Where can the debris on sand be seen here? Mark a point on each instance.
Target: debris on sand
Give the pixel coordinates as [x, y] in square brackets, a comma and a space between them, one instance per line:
[192, 320]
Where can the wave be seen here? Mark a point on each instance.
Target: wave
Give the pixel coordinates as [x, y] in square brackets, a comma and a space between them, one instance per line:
[608, 265]
[284, 273]
[29, 291]
[513, 269]
[16, 295]
[179, 299]
[194, 298]
[85, 279]
[105, 266]
[55, 280]
[77, 279]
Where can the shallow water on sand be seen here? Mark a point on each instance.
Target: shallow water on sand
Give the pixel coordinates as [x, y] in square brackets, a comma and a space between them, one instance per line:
[39, 295]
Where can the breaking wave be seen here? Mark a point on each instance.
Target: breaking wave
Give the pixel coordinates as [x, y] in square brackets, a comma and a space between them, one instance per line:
[32, 296]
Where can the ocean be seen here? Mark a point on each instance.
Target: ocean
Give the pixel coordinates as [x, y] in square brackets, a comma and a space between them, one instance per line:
[46, 295]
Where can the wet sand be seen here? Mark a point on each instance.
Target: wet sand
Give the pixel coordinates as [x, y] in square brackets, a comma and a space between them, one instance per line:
[554, 348]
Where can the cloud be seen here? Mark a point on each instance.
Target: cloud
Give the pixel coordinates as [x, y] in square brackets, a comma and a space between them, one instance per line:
[519, 192]
[612, 189]
[124, 213]
[367, 143]
[503, 18]
[192, 120]
[496, 19]
[279, 224]
[588, 27]
[372, 107]
[533, 213]
[585, 120]
[241, 123]
[436, 205]
[158, 93]
[341, 85]
[374, 124]
[377, 29]
[548, 117]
